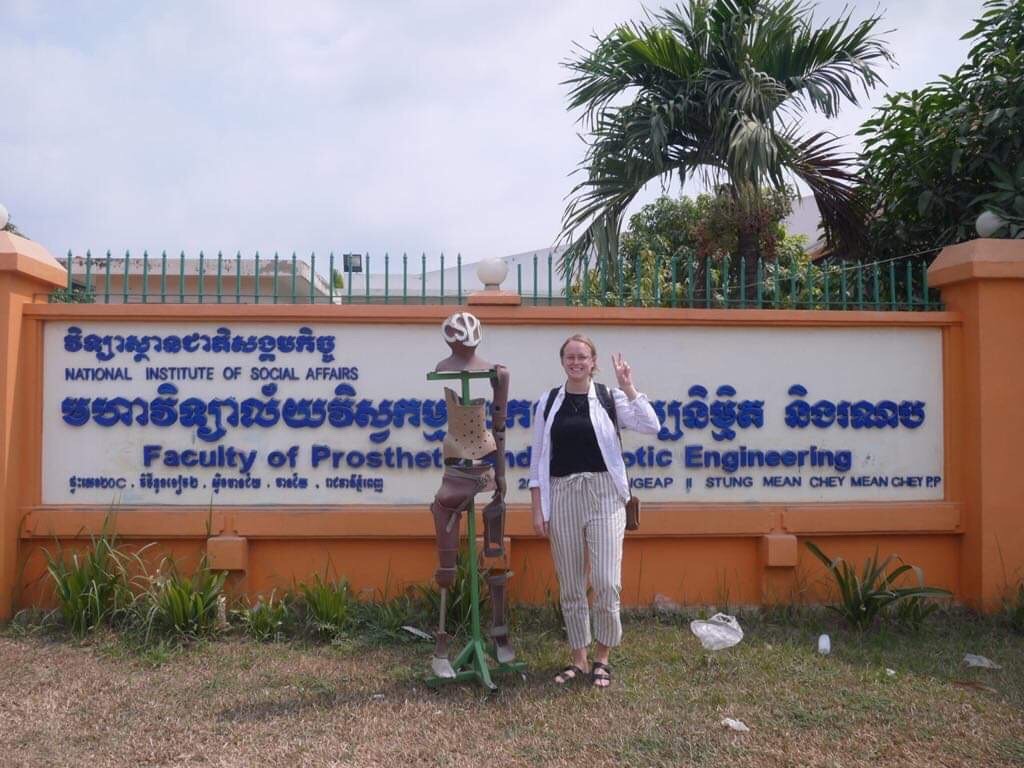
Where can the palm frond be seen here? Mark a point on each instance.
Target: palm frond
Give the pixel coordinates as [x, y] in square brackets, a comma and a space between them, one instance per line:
[819, 161]
[828, 63]
[715, 84]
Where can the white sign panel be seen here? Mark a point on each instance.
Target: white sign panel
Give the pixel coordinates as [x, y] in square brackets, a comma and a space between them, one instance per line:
[262, 413]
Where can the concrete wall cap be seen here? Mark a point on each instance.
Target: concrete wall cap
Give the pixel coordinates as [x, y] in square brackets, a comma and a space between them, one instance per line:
[984, 258]
[20, 255]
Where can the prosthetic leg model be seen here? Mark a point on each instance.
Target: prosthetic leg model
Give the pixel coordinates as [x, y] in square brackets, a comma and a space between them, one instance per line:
[474, 462]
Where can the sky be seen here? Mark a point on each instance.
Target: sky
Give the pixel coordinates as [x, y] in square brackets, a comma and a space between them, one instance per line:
[348, 126]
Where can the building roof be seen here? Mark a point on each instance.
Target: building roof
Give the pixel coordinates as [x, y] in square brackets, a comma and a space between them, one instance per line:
[244, 271]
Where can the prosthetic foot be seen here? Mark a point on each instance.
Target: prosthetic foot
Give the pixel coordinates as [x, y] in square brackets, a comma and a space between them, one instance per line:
[440, 665]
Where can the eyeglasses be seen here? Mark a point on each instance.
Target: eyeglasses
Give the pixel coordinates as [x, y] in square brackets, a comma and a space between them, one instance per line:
[576, 358]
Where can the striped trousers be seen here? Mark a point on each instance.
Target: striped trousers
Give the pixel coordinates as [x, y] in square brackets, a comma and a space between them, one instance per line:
[588, 521]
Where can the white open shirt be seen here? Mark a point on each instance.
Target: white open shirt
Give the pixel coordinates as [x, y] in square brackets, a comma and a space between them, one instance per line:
[637, 415]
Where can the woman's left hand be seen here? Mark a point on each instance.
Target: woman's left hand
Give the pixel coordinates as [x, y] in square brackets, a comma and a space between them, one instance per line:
[624, 375]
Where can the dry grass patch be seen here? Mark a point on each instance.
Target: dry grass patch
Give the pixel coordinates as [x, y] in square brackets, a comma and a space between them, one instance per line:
[240, 703]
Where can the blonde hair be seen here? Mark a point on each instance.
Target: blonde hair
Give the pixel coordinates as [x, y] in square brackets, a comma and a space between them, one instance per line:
[583, 340]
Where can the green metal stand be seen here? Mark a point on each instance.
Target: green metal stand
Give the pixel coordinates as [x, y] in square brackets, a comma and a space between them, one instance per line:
[472, 662]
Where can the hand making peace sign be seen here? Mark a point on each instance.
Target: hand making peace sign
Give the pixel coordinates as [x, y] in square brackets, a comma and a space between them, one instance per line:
[624, 375]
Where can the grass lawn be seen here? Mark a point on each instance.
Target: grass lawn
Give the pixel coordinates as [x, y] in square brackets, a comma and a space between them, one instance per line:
[235, 702]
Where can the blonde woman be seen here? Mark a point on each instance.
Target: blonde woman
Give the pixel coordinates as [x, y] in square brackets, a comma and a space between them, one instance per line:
[578, 490]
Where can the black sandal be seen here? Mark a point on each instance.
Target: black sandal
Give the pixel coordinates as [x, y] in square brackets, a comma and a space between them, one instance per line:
[569, 675]
[601, 681]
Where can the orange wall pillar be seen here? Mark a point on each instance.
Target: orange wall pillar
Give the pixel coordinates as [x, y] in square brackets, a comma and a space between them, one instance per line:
[983, 280]
[27, 272]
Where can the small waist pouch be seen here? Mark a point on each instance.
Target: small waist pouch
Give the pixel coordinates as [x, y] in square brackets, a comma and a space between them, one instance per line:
[632, 513]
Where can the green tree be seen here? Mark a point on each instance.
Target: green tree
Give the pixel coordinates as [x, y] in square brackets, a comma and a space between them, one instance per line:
[677, 251]
[715, 89]
[658, 233]
[935, 158]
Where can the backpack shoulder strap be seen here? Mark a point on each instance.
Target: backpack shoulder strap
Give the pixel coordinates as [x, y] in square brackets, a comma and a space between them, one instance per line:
[608, 401]
[551, 401]
[604, 395]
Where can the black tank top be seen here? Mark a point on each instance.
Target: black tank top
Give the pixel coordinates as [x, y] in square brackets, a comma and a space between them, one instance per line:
[574, 445]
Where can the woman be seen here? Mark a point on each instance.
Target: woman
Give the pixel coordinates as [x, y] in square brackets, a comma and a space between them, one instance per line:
[578, 487]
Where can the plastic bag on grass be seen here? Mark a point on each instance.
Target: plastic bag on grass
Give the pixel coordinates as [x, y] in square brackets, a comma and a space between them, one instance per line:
[735, 725]
[719, 632]
[974, 660]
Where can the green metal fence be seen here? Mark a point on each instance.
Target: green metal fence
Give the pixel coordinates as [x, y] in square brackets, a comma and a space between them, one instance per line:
[679, 281]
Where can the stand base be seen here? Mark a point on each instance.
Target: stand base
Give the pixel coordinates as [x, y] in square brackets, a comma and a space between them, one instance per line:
[471, 664]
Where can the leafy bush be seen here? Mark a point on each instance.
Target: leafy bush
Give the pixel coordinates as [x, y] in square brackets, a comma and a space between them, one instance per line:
[460, 599]
[936, 157]
[32, 621]
[175, 607]
[267, 620]
[678, 252]
[73, 295]
[92, 587]
[328, 606]
[865, 597]
[1013, 609]
[384, 619]
[913, 612]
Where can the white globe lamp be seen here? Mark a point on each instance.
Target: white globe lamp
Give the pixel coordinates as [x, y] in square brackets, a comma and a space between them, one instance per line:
[988, 223]
[4, 217]
[492, 272]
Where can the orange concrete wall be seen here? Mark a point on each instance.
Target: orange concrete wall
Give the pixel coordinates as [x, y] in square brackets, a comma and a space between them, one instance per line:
[983, 281]
[695, 553]
[26, 269]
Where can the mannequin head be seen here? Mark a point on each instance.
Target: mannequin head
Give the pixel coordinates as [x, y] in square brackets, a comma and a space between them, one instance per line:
[462, 333]
[462, 328]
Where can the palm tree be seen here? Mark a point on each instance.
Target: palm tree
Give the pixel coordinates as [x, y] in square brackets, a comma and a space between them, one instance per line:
[716, 88]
